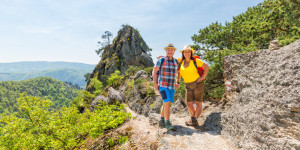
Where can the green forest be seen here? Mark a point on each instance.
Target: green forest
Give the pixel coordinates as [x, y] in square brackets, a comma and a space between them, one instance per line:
[60, 93]
[250, 31]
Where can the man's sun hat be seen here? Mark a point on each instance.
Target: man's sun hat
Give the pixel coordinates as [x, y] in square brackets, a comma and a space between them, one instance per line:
[170, 46]
[187, 47]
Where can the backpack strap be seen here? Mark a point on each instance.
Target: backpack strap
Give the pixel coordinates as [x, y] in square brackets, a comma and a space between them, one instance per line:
[176, 61]
[195, 63]
[179, 64]
[162, 61]
[199, 69]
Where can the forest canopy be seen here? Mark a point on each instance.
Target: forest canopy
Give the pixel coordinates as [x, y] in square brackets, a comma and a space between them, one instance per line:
[250, 31]
[60, 93]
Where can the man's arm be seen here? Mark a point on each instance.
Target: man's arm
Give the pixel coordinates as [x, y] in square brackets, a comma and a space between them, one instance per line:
[179, 77]
[178, 80]
[154, 75]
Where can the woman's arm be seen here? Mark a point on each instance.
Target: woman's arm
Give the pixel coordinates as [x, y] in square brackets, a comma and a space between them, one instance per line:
[205, 68]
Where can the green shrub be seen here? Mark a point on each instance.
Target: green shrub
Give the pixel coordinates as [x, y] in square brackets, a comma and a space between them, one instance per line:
[83, 99]
[129, 86]
[149, 70]
[150, 91]
[139, 82]
[181, 88]
[97, 85]
[117, 140]
[152, 105]
[131, 70]
[115, 79]
[104, 80]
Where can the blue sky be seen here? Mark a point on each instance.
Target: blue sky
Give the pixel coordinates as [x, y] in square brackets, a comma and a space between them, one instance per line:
[68, 30]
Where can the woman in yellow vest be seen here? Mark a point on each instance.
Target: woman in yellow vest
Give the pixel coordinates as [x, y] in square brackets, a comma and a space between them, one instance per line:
[194, 83]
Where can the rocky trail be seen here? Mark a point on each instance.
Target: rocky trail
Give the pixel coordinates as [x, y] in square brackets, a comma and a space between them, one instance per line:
[145, 134]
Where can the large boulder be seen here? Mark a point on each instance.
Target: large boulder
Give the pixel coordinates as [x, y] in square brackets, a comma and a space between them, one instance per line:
[95, 102]
[262, 99]
[114, 96]
[127, 49]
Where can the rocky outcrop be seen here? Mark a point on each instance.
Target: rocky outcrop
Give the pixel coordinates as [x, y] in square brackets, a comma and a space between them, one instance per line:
[96, 100]
[263, 99]
[141, 96]
[114, 96]
[127, 49]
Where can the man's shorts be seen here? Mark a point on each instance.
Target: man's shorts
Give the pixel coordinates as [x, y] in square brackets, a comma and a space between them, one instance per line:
[166, 94]
[194, 91]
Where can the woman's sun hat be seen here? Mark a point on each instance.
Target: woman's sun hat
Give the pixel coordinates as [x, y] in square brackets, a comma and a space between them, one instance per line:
[187, 47]
[170, 46]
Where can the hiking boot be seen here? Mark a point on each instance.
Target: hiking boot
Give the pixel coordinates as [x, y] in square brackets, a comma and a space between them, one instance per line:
[169, 126]
[161, 123]
[192, 122]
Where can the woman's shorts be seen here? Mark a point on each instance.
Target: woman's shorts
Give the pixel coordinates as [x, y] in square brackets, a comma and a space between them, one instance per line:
[194, 91]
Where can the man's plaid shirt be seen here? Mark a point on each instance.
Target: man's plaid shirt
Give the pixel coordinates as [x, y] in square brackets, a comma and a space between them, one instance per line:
[167, 73]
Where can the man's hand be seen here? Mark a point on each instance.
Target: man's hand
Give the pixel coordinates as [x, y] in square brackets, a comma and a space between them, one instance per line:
[156, 87]
[200, 79]
[176, 86]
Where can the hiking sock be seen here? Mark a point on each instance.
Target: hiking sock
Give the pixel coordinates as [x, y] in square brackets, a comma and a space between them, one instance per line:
[193, 118]
[162, 118]
[167, 121]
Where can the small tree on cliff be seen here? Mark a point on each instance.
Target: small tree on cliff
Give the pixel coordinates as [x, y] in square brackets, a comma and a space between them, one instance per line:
[106, 40]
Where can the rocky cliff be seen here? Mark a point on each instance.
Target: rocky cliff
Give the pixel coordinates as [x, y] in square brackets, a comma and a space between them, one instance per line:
[127, 49]
[262, 97]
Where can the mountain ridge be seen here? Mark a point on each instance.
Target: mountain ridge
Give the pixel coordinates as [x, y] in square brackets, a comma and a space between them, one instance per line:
[64, 71]
[7, 67]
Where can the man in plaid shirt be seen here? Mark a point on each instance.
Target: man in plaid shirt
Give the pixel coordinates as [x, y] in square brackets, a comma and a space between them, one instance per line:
[167, 83]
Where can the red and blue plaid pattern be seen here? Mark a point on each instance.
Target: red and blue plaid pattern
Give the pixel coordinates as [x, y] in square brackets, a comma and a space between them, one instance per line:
[168, 73]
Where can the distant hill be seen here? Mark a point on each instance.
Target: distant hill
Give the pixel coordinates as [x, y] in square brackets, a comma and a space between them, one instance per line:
[64, 71]
[60, 93]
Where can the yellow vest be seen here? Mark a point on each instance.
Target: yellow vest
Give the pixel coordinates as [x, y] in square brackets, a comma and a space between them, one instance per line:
[190, 73]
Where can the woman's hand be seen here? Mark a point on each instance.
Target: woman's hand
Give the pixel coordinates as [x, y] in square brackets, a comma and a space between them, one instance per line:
[200, 79]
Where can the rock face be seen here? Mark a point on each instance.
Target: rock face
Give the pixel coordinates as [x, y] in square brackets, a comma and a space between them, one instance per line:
[114, 96]
[127, 49]
[263, 97]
